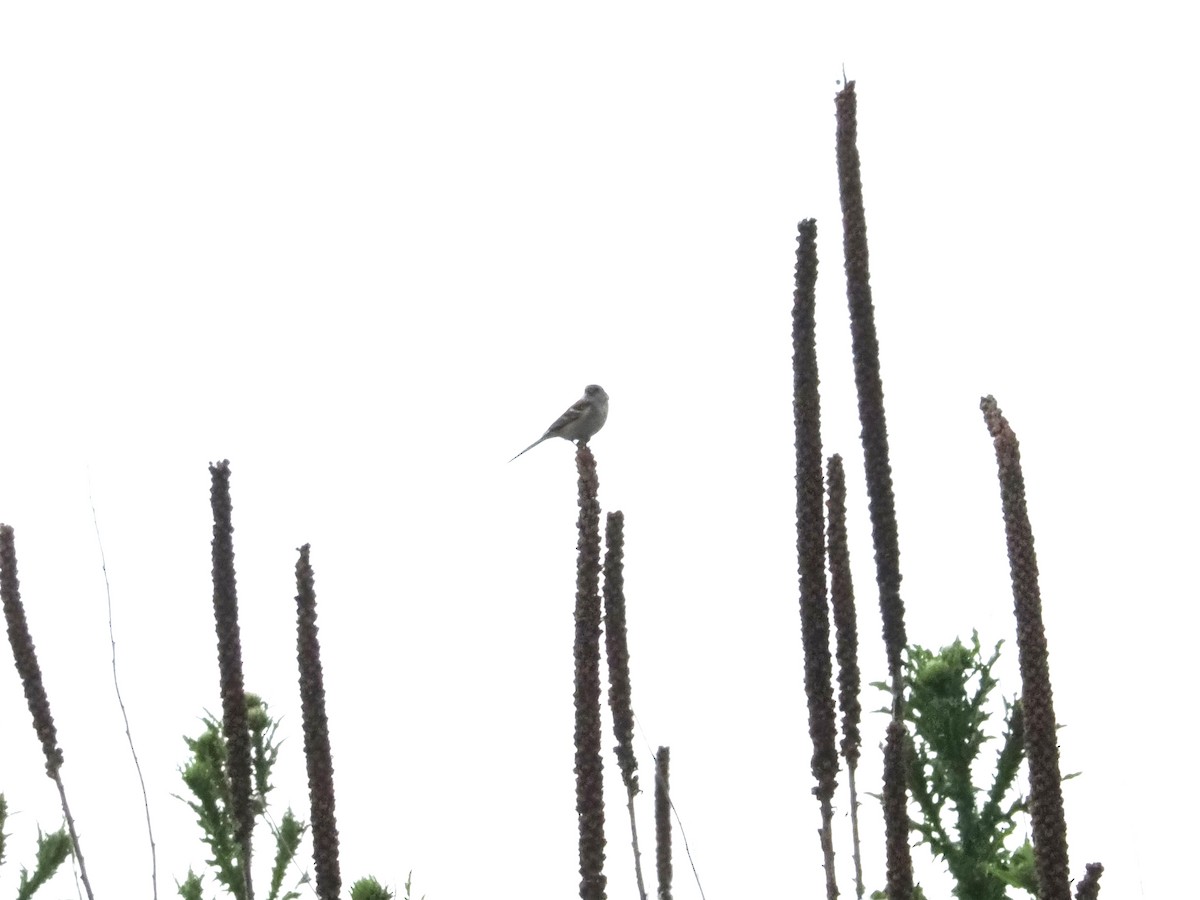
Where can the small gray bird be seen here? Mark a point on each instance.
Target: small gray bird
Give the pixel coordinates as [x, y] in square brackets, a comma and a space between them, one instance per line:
[579, 422]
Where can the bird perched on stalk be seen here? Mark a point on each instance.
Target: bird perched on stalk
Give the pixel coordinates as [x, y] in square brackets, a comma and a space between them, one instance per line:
[579, 422]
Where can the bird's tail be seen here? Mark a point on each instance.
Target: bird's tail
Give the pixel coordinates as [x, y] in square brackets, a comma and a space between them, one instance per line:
[531, 446]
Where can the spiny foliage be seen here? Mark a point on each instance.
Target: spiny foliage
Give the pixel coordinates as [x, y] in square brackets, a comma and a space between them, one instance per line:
[206, 776]
[52, 851]
[947, 695]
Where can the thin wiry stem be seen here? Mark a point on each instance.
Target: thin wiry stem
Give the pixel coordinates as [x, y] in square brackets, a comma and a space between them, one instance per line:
[137, 765]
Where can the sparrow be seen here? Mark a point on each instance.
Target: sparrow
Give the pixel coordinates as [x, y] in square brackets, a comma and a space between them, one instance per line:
[579, 422]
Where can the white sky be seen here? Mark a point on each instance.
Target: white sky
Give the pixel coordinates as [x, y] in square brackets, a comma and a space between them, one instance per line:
[369, 252]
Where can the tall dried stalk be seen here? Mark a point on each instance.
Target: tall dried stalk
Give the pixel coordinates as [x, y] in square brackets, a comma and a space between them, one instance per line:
[810, 542]
[589, 765]
[869, 382]
[620, 690]
[1088, 887]
[882, 502]
[662, 821]
[317, 752]
[845, 621]
[895, 812]
[30, 673]
[1041, 732]
[229, 659]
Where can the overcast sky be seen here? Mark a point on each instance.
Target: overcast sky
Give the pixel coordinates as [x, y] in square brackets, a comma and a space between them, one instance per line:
[368, 252]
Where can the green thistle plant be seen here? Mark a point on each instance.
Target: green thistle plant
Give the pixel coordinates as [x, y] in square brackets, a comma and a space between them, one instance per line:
[206, 776]
[947, 696]
[52, 851]
[370, 889]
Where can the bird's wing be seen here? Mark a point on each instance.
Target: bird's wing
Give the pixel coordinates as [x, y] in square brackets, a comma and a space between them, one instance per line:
[571, 415]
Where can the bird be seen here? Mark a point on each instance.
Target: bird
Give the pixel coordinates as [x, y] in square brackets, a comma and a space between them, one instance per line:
[579, 422]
